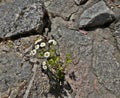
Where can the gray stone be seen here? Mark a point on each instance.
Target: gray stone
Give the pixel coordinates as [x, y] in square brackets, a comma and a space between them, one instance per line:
[96, 95]
[106, 66]
[97, 15]
[117, 34]
[61, 8]
[100, 91]
[95, 49]
[21, 17]
[80, 49]
[12, 72]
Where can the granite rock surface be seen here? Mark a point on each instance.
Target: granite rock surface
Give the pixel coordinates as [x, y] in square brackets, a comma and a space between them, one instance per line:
[20, 17]
[94, 70]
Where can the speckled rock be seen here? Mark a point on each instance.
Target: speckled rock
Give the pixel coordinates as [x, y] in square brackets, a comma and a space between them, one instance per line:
[80, 48]
[92, 51]
[21, 17]
[106, 66]
[12, 71]
[97, 15]
[93, 72]
[96, 95]
[61, 8]
[117, 34]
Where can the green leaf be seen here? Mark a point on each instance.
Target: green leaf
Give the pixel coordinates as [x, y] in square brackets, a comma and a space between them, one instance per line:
[68, 55]
[56, 59]
[61, 68]
[68, 59]
[51, 62]
[39, 54]
[52, 51]
[60, 75]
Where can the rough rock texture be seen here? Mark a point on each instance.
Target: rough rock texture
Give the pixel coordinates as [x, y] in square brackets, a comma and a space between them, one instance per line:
[93, 50]
[20, 17]
[117, 34]
[95, 58]
[97, 15]
[106, 66]
[12, 71]
[63, 8]
[17, 69]
[69, 41]
[101, 95]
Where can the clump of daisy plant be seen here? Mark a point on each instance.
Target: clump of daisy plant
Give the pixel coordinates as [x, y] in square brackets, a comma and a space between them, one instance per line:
[46, 50]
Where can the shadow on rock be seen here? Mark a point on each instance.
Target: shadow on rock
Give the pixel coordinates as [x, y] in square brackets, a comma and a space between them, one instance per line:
[58, 87]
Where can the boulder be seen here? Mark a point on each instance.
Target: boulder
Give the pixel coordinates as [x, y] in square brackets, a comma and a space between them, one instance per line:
[21, 17]
[97, 15]
[80, 49]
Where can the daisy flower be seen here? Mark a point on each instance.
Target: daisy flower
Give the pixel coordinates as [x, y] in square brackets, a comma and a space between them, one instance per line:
[42, 44]
[47, 54]
[52, 41]
[37, 46]
[43, 63]
[33, 52]
[44, 67]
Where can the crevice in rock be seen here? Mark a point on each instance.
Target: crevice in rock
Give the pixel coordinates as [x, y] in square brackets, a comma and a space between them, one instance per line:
[46, 21]
[1, 39]
[17, 36]
[72, 14]
[55, 14]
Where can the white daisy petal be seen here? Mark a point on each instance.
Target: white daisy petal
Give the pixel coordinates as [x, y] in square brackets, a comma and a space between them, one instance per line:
[52, 41]
[44, 67]
[37, 46]
[47, 54]
[42, 44]
[37, 41]
[33, 52]
[44, 63]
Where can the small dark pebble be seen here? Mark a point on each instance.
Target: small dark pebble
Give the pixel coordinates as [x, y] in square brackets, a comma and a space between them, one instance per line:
[72, 76]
